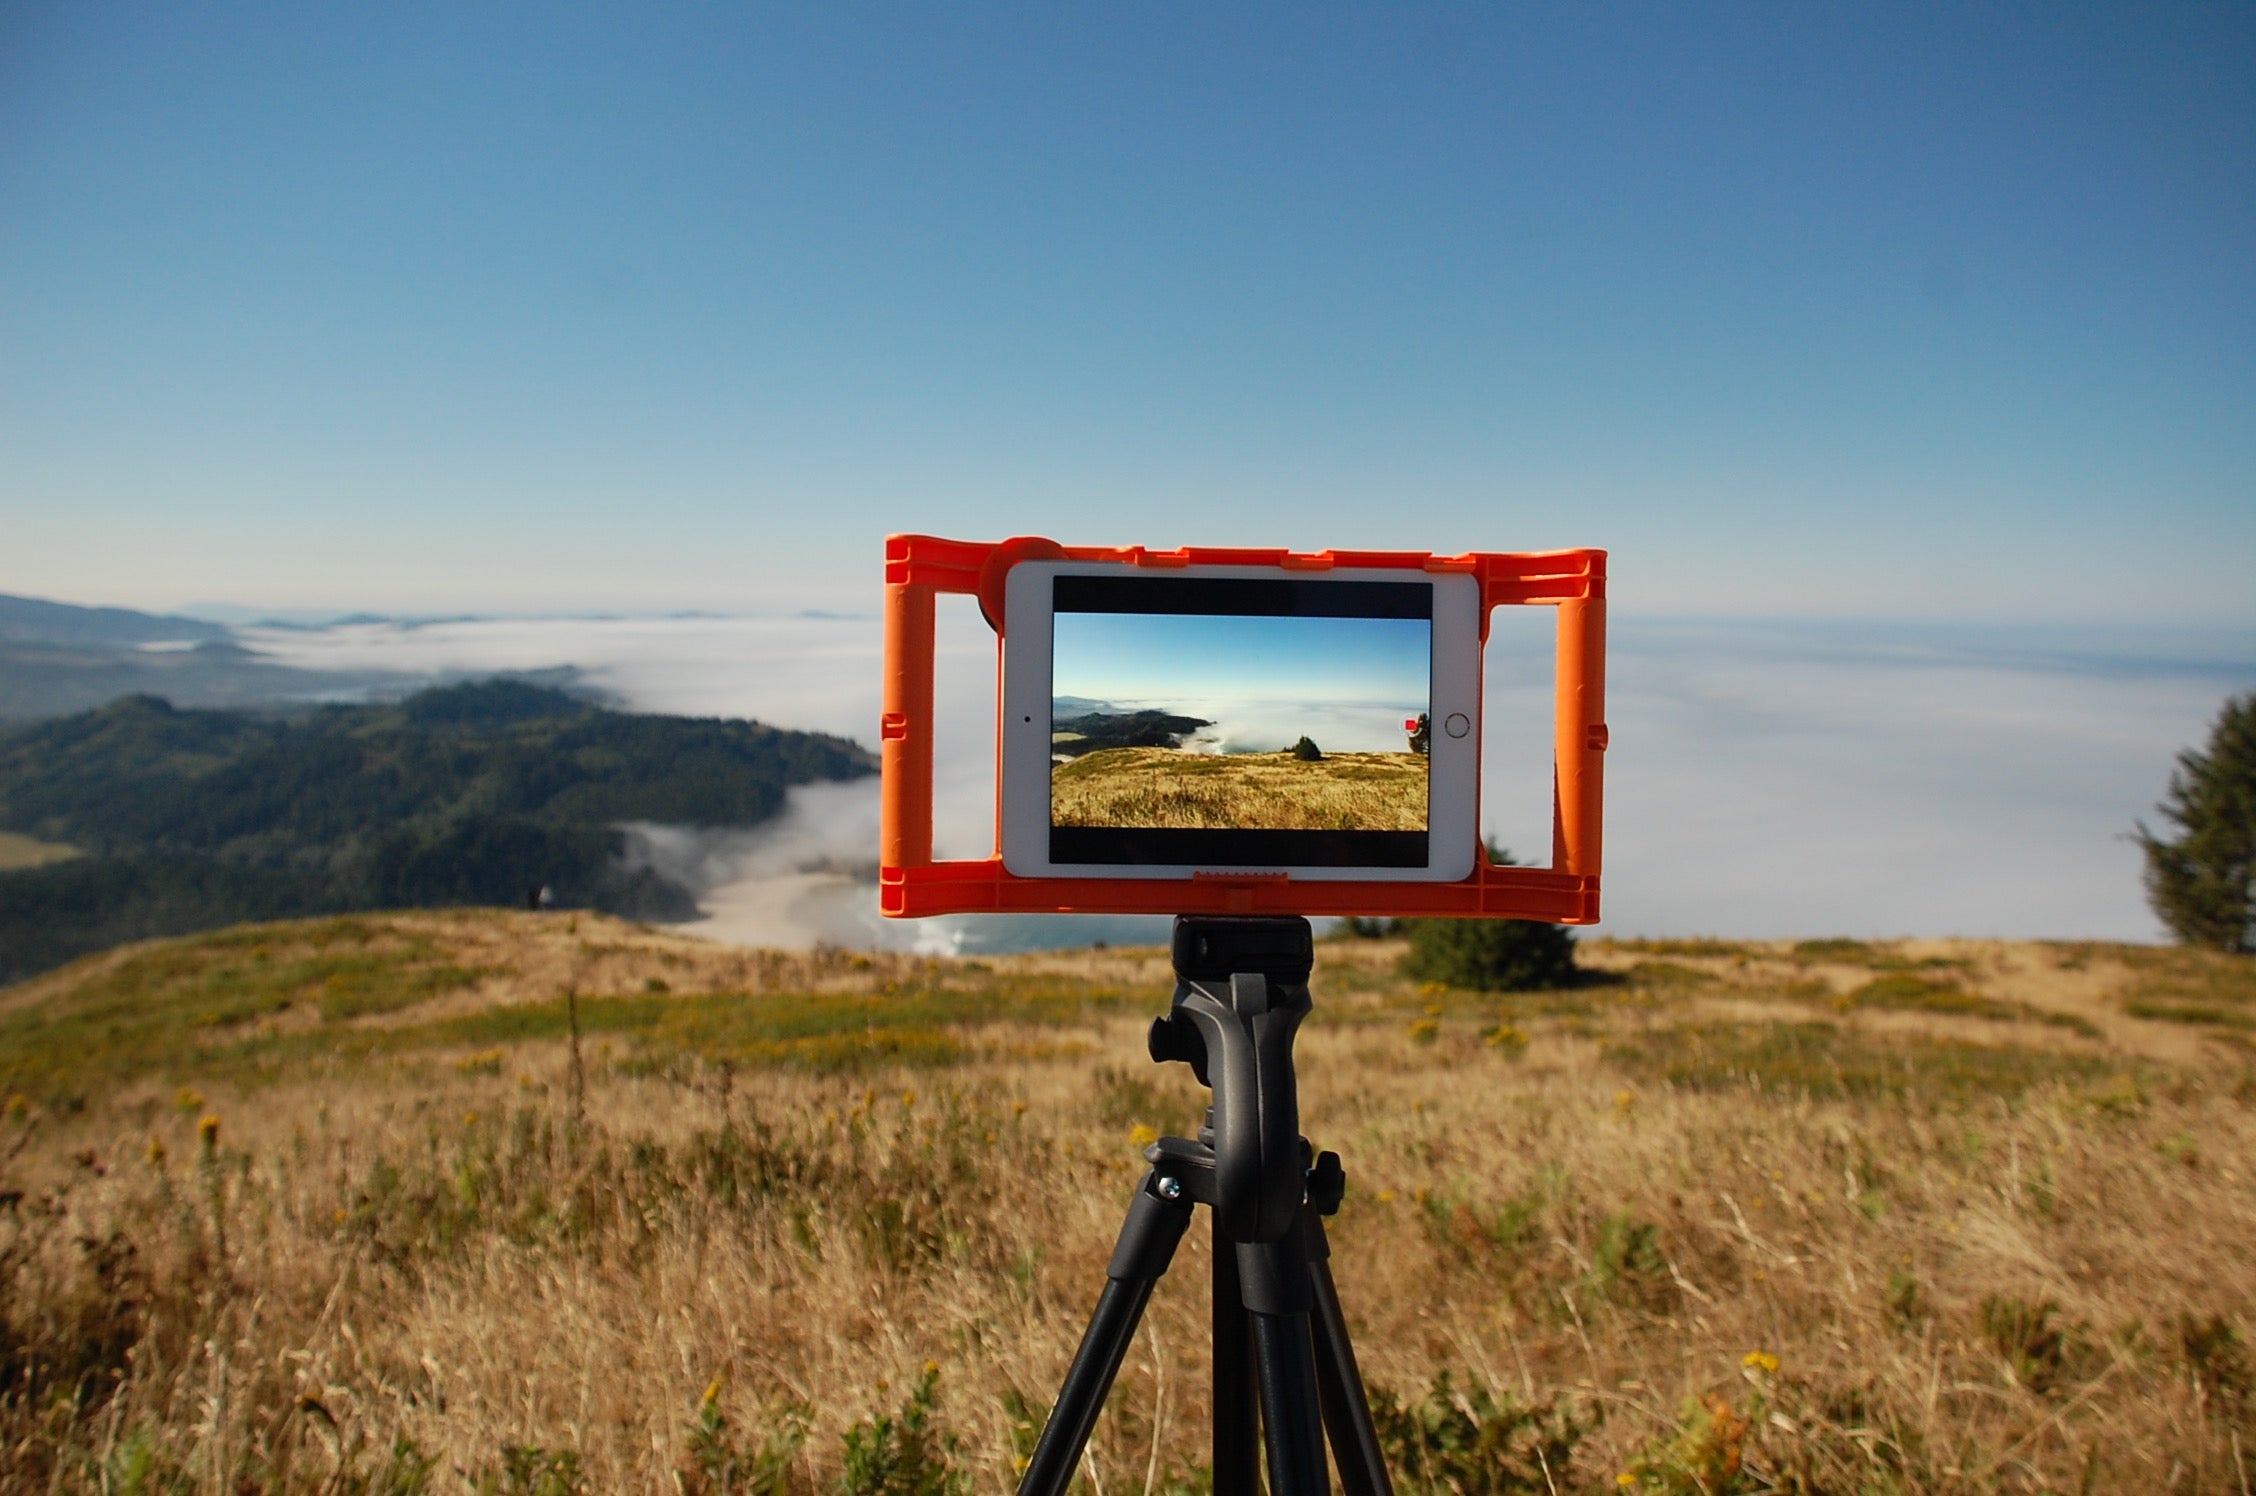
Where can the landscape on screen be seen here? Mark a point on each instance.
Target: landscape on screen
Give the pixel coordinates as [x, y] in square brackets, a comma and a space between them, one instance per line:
[1200, 722]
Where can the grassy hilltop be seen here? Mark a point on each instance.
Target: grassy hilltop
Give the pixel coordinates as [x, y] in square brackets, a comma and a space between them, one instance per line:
[340, 1205]
[1148, 786]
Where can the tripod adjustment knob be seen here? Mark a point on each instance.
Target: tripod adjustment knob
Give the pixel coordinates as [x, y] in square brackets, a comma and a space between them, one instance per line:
[1327, 1184]
[1177, 1038]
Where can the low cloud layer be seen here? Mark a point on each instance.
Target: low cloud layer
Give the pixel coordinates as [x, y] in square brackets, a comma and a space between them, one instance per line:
[1894, 781]
[1779, 779]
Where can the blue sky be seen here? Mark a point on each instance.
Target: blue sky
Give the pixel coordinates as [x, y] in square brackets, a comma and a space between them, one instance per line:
[1904, 311]
[1145, 657]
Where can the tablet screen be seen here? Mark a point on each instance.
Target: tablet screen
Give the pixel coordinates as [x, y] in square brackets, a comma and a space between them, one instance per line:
[1233, 722]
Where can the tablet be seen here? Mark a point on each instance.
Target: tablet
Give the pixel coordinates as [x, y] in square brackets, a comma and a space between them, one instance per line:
[1161, 723]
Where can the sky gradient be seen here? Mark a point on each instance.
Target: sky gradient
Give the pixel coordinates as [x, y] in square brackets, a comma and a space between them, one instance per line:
[1259, 683]
[1909, 312]
[1165, 656]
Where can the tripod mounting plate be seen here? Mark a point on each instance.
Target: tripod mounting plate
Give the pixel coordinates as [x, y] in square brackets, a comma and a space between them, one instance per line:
[1214, 948]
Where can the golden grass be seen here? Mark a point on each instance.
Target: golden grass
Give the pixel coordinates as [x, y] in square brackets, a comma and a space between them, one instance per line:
[1165, 787]
[20, 851]
[1740, 1227]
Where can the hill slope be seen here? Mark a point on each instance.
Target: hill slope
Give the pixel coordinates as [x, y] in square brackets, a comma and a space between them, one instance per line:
[474, 794]
[1955, 1217]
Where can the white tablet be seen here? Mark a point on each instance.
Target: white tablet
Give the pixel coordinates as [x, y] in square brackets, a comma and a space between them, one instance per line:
[1161, 723]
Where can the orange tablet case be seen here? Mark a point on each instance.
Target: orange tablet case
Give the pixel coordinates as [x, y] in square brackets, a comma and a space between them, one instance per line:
[910, 883]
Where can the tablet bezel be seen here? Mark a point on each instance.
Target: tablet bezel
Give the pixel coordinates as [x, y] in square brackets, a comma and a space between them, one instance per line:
[1024, 760]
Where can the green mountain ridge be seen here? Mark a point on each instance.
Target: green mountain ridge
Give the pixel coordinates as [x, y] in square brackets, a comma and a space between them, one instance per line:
[472, 794]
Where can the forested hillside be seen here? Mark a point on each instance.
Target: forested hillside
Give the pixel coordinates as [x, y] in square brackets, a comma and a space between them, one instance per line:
[473, 794]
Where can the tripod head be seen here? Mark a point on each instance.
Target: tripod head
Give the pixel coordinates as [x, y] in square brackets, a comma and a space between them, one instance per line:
[1213, 947]
[1241, 990]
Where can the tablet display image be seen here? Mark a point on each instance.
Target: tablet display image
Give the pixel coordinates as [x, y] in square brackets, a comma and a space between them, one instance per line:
[1244, 722]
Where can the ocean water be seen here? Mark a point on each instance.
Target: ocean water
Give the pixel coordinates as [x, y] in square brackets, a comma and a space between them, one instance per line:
[1765, 778]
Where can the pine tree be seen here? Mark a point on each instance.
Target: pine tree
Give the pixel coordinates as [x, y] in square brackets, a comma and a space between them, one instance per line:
[2202, 882]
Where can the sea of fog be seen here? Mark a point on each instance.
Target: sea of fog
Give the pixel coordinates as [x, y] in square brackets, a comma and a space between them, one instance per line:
[1763, 779]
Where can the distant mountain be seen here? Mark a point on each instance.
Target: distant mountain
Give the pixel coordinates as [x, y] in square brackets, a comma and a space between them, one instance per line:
[470, 794]
[31, 619]
[1075, 706]
[57, 658]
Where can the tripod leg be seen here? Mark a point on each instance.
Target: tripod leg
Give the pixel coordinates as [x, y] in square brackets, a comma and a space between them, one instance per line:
[1237, 1455]
[1347, 1408]
[1274, 1277]
[1291, 1418]
[1148, 1239]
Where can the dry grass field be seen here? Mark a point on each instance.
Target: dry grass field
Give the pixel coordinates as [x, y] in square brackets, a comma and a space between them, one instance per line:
[1223, 791]
[342, 1206]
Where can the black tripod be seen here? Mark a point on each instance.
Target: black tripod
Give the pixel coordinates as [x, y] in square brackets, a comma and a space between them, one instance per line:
[1241, 990]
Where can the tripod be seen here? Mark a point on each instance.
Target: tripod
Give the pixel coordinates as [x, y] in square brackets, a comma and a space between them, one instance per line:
[1241, 991]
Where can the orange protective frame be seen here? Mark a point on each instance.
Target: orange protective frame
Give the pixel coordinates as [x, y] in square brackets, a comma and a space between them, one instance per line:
[911, 884]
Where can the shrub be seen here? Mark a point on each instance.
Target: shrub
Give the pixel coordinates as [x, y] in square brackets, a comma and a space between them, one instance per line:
[1469, 1443]
[903, 1455]
[717, 1464]
[1626, 1258]
[529, 1470]
[1703, 1455]
[1306, 750]
[2025, 1335]
[1489, 955]
[2219, 1361]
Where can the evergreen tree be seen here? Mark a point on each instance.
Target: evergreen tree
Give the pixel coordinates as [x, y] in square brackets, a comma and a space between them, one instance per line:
[2202, 881]
[1307, 750]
